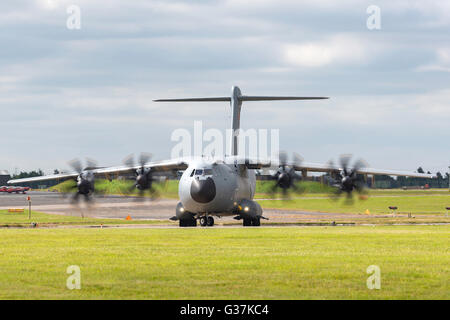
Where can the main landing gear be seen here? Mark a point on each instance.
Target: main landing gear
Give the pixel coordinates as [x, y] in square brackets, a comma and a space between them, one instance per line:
[188, 222]
[251, 222]
[206, 221]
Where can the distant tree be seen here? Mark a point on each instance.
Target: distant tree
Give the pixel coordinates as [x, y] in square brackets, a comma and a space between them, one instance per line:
[420, 170]
[438, 181]
[24, 174]
[30, 174]
[56, 171]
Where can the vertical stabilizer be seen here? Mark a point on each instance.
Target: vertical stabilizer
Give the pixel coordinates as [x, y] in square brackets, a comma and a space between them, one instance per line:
[235, 104]
[236, 100]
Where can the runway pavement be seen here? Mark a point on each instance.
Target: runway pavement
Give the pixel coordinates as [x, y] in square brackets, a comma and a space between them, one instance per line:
[120, 207]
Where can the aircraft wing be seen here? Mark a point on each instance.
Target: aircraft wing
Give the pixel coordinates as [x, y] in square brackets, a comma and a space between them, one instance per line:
[160, 166]
[61, 176]
[318, 167]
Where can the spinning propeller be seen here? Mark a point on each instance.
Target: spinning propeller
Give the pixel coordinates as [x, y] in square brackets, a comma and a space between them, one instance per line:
[286, 177]
[143, 176]
[84, 182]
[348, 180]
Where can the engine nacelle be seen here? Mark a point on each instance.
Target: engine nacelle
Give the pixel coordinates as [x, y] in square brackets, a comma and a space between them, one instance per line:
[181, 213]
[249, 209]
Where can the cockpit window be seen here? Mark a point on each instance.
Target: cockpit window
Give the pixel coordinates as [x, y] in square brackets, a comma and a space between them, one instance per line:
[206, 172]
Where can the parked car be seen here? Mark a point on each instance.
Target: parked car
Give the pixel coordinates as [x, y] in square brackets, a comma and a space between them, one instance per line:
[17, 189]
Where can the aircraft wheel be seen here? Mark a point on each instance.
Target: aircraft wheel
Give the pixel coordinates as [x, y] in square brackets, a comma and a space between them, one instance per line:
[256, 222]
[210, 221]
[188, 222]
[203, 221]
[247, 222]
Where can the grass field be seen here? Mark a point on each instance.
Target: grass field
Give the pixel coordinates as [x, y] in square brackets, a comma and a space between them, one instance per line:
[230, 263]
[169, 189]
[13, 219]
[426, 204]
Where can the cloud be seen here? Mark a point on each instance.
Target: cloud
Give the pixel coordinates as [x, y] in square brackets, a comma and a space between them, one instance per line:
[441, 63]
[67, 93]
[339, 49]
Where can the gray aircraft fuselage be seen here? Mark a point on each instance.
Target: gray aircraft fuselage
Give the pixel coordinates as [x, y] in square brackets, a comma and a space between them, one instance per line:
[214, 187]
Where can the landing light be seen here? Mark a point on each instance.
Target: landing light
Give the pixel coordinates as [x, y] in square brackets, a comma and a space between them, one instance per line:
[246, 209]
[181, 209]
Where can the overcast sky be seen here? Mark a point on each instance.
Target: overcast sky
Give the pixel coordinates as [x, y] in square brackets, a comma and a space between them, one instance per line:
[87, 92]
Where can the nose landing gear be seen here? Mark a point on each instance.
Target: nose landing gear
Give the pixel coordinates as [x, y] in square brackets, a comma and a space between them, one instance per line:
[206, 221]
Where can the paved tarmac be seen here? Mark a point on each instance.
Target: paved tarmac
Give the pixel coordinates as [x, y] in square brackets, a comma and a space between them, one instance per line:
[120, 207]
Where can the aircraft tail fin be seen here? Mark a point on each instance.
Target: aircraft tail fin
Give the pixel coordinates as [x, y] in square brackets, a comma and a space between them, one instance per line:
[235, 101]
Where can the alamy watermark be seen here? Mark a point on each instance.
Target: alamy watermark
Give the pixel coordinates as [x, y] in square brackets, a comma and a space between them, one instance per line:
[252, 143]
[73, 22]
[374, 280]
[74, 280]
[373, 22]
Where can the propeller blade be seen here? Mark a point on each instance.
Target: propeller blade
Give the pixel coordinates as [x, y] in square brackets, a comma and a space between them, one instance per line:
[344, 161]
[129, 161]
[154, 194]
[282, 157]
[144, 158]
[90, 164]
[140, 196]
[360, 164]
[87, 198]
[75, 164]
[76, 197]
[349, 199]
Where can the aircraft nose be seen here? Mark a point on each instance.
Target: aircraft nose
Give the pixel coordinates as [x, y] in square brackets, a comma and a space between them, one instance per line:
[203, 191]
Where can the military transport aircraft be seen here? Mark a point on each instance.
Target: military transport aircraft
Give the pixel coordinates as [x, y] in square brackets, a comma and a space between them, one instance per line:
[224, 186]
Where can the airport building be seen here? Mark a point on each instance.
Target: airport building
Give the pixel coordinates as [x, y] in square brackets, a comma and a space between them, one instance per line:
[4, 177]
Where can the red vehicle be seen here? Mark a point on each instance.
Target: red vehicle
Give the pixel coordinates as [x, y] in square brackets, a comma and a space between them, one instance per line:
[3, 188]
[17, 189]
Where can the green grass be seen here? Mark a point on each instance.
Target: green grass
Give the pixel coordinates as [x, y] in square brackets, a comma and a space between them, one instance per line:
[15, 219]
[169, 189]
[237, 263]
[376, 205]
[264, 188]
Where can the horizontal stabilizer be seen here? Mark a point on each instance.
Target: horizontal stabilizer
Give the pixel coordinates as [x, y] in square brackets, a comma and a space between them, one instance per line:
[240, 98]
[194, 99]
[265, 98]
